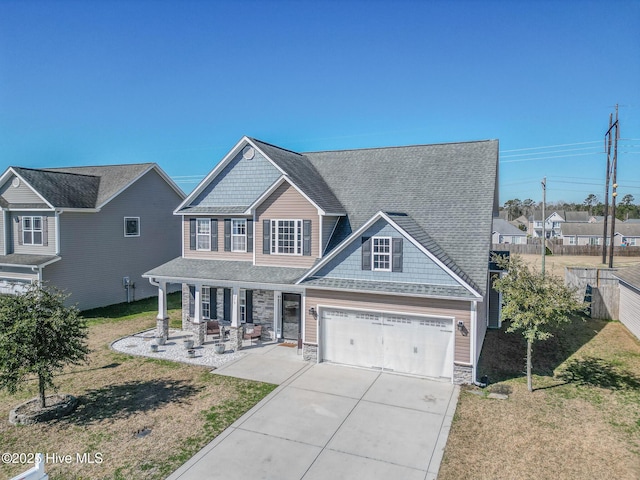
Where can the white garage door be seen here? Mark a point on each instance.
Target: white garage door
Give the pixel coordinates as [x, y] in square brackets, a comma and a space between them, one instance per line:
[402, 343]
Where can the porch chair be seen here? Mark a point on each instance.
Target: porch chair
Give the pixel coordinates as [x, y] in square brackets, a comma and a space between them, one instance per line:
[255, 333]
[213, 328]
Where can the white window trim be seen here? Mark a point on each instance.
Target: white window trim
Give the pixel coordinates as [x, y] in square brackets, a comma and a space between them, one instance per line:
[205, 299]
[198, 234]
[125, 226]
[389, 255]
[298, 225]
[233, 235]
[33, 230]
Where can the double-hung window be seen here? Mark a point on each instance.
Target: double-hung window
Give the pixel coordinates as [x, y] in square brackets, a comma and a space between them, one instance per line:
[286, 237]
[32, 230]
[243, 306]
[238, 235]
[203, 234]
[381, 253]
[205, 297]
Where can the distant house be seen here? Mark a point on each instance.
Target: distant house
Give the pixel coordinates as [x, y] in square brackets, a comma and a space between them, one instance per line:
[377, 258]
[92, 231]
[626, 234]
[505, 232]
[630, 298]
[555, 220]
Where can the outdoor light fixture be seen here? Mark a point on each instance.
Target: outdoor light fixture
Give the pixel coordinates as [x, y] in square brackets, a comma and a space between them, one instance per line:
[462, 328]
[313, 313]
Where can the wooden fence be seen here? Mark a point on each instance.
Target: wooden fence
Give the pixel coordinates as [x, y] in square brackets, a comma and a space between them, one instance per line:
[598, 286]
[557, 248]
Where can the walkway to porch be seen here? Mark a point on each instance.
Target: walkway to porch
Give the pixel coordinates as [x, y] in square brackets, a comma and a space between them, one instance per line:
[253, 354]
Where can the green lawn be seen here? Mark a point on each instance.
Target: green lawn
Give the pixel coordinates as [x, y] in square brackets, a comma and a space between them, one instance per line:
[145, 417]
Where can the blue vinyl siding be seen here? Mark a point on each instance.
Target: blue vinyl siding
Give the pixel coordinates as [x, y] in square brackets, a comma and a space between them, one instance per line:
[240, 183]
[417, 267]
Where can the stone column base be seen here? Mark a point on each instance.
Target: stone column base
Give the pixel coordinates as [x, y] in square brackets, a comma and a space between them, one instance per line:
[462, 374]
[162, 327]
[310, 353]
[235, 337]
[199, 330]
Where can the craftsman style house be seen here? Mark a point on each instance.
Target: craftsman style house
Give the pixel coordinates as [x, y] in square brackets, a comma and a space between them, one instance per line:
[375, 257]
[90, 231]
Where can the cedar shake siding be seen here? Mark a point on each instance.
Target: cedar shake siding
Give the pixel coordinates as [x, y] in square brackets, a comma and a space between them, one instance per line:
[219, 241]
[458, 309]
[96, 255]
[285, 203]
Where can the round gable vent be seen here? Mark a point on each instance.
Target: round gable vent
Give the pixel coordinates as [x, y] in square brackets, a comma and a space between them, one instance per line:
[15, 182]
[248, 152]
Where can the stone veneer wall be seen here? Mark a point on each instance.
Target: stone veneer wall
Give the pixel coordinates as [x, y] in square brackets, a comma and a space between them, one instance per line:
[462, 374]
[310, 353]
[263, 312]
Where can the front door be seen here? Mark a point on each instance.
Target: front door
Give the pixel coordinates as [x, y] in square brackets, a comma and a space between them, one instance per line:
[291, 315]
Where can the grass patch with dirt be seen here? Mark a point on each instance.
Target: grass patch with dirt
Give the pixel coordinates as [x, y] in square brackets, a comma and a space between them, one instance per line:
[144, 416]
[581, 421]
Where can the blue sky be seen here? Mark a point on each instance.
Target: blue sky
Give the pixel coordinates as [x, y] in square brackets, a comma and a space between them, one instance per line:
[179, 83]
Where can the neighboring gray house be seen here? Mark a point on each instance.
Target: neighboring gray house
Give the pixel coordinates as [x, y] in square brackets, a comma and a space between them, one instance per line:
[626, 234]
[91, 231]
[505, 232]
[630, 298]
[375, 257]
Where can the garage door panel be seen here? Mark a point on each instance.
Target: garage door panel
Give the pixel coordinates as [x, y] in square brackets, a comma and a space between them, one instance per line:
[407, 344]
[351, 340]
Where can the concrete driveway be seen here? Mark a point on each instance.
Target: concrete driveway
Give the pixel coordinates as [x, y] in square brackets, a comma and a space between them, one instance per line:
[333, 422]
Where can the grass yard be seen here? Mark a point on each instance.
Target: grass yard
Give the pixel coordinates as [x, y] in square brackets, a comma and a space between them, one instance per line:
[555, 264]
[582, 420]
[145, 417]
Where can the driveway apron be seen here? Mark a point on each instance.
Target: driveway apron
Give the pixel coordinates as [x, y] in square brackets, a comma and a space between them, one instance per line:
[334, 422]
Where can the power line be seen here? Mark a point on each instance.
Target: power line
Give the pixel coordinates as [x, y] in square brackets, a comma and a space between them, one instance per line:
[551, 146]
[551, 152]
[549, 158]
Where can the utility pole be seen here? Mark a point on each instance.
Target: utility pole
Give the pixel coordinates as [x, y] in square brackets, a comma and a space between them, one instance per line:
[615, 186]
[544, 233]
[607, 147]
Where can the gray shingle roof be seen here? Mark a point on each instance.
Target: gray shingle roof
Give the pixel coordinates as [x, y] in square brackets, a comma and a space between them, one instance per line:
[214, 210]
[304, 175]
[389, 287]
[81, 187]
[224, 270]
[630, 276]
[410, 226]
[505, 228]
[449, 190]
[23, 259]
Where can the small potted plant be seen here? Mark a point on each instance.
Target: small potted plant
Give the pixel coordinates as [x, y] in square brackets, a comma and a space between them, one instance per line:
[188, 343]
[191, 353]
[154, 347]
[218, 348]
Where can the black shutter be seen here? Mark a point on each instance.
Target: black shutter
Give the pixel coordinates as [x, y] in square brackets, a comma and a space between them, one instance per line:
[192, 301]
[396, 254]
[249, 235]
[366, 253]
[213, 296]
[266, 237]
[249, 306]
[306, 237]
[45, 231]
[226, 306]
[214, 234]
[192, 233]
[227, 234]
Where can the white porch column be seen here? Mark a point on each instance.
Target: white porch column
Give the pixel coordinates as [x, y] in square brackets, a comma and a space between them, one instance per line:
[162, 301]
[162, 320]
[235, 307]
[197, 307]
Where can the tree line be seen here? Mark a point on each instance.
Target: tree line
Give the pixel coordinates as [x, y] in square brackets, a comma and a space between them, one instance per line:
[625, 207]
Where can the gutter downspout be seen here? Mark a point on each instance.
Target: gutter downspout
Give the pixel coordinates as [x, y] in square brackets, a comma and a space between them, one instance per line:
[474, 337]
[58, 213]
